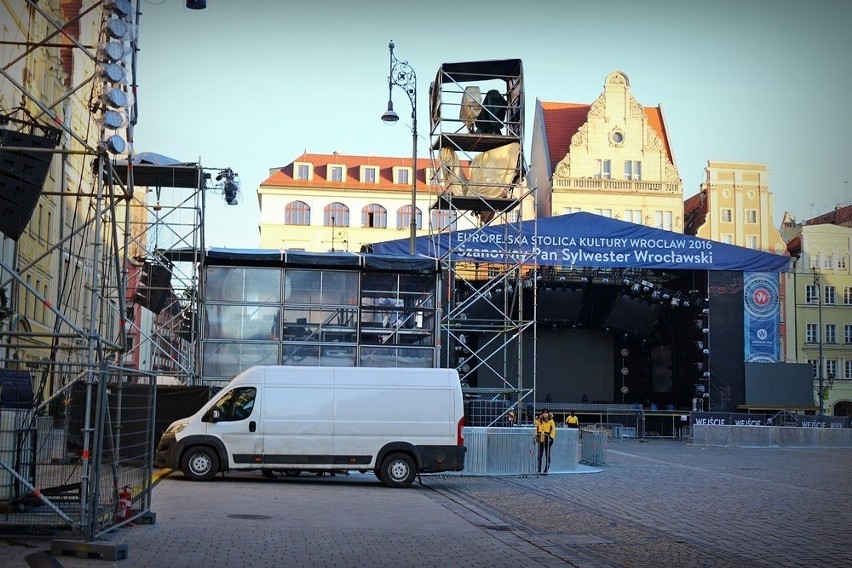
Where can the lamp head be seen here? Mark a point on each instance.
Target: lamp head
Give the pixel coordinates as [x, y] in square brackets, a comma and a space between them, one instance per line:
[389, 115]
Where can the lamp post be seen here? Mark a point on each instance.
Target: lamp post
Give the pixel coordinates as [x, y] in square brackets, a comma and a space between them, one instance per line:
[402, 75]
[819, 338]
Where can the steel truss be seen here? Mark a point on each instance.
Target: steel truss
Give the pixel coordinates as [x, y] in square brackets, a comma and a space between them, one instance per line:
[478, 189]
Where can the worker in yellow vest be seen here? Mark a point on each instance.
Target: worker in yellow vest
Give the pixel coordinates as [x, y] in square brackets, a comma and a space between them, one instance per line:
[545, 433]
[571, 421]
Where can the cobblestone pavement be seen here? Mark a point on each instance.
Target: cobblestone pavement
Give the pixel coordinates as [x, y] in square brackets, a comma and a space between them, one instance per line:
[658, 503]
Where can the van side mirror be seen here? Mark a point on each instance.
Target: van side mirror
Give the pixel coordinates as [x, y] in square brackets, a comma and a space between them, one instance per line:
[212, 416]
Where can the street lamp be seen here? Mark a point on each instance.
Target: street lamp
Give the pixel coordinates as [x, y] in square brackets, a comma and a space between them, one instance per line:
[402, 75]
[819, 336]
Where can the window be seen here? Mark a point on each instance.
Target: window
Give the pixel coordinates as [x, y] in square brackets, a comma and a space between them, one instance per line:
[433, 176]
[235, 405]
[751, 241]
[633, 169]
[568, 210]
[847, 295]
[728, 239]
[811, 294]
[604, 169]
[515, 216]
[403, 217]
[297, 213]
[402, 176]
[847, 369]
[841, 261]
[847, 334]
[828, 261]
[814, 261]
[830, 333]
[604, 212]
[830, 295]
[335, 215]
[814, 366]
[726, 215]
[335, 173]
[303, 171]
[633, 215]
[663, 220]
[443, 219]
[831, 368]
[751, 216]
[369, 174]
[374, 216]
[811, 333]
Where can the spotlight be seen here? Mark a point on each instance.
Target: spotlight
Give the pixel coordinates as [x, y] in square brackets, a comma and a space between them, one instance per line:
[113, 51]
[119, 7]
[636, 288]
[116, 98]
[115, 28]
[230, 182]
[707, 374]
[112, 73]
[706, 351]
[706, 330]
[705, 311]
[115, 144]
[675, 302]
[666, 296]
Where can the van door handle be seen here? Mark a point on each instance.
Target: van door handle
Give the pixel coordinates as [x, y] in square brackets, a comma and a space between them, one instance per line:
[252, 426]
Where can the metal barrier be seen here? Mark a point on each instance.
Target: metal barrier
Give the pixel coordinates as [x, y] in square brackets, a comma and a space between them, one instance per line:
[594, 446]
[513, 451]
[770, 436]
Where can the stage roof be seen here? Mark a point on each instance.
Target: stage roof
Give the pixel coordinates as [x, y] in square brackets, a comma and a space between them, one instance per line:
[587, 240]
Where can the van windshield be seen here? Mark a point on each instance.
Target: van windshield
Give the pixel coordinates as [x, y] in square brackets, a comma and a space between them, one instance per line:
[236, 404]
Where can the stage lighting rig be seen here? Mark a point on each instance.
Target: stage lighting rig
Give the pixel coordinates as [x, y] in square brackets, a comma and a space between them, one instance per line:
[229, 181]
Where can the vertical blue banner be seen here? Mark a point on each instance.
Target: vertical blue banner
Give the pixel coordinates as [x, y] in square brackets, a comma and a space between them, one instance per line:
[762, 317]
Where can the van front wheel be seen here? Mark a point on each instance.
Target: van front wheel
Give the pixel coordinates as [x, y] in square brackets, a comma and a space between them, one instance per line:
[398, 470]
[200, 464]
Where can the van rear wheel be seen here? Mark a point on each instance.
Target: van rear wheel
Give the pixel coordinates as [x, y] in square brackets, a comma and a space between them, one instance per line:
[398, 470]
[200, 464]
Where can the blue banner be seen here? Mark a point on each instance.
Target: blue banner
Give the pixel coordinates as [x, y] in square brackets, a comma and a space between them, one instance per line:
[587, 240]
[762, 319]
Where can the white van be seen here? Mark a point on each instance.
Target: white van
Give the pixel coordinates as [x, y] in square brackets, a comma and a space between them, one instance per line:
[395, 422]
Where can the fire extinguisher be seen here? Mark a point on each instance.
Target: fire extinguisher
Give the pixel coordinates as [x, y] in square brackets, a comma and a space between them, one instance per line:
[125, 500]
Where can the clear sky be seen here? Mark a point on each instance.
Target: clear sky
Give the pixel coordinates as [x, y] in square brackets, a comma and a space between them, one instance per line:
[251, 84]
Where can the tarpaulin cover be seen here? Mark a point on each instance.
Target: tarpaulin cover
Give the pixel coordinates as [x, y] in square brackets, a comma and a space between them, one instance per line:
[587, 240]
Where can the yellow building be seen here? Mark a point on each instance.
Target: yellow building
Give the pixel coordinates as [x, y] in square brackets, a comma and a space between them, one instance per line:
[819, 310]
[325, 202]
[734, 206]
[611, 157]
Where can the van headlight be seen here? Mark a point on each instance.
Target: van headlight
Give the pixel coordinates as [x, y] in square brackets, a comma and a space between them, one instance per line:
[175, 428]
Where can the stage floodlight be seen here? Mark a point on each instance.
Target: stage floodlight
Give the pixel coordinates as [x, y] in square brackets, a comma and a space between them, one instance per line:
[707, 374]
[115, 144]
[705, 330]
[121, 8]
[706, 351]
[196, 4]
[115, 98]
[112, 51]
[111, 119]
[112, 73]
[675, 302]
[115, 28]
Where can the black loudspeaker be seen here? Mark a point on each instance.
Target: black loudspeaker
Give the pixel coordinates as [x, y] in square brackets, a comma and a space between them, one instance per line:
[154, 287]
[22, 176]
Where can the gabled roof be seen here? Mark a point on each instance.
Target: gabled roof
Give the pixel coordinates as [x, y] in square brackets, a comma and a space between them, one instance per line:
[694, 212]
[840, 216]
[563, 120]
[285, 176]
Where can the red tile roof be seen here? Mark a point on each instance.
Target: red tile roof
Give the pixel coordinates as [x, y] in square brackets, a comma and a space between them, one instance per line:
[840, 216]
[284, 176]
[563, 120]
[694, 213]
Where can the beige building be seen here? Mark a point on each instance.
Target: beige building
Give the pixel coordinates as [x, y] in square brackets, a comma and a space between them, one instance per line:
[819, 310]
[611, 157]
[734, 206]
[324, 202]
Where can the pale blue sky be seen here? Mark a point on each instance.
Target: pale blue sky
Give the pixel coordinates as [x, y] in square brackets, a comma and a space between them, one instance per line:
[252, 84]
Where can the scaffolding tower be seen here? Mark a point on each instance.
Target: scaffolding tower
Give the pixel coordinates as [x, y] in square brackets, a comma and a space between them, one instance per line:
[480, 194]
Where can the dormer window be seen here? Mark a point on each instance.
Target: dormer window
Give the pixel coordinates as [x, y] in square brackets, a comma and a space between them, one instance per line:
[303, 171]
[402, 176]
[336, 172]
[369, 174]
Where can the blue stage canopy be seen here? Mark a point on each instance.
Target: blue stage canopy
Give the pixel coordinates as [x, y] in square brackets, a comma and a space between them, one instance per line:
[587, 240]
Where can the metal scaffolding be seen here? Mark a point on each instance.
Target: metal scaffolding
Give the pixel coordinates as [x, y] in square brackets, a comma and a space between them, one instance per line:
[477, 134]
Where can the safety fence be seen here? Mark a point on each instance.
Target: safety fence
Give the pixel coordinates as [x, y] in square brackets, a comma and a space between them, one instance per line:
[514, 451]
[85, 471]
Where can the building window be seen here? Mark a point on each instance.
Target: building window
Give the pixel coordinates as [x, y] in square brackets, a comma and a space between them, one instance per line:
[847, 369]
[369, 174]
[633, 169]
[604, 212]
[297, 213]
[830, 295]
[847, 295]
[726, 215]
[663, 220]
[847, 334]
[751, 241]
[841, 261]
[811, 294]
[633, 216]
[433, 176]
[374, 216]
[830, 333]
[515, 216]
[828, 261]
[814, 261]
[335, 215]
[335, 173]
[831, 368]
[811, 333]
[403, 217]
[443, 219]
[751, 216]
[814, 366]
[569, 210]
[604, 169]
[402, 176]
[728, 239]
[303, 171]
